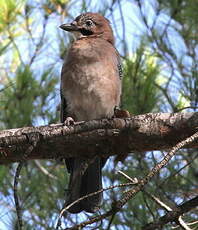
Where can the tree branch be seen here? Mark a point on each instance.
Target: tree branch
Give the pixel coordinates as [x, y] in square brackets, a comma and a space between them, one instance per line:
[104, 137]
[173, 215]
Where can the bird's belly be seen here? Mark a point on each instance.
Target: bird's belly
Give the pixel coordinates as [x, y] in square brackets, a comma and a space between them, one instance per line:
[90, 105]
[92, 91]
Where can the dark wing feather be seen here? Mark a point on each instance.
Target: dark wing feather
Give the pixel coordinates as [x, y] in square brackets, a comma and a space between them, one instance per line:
[120, 70]
[63, 115]
[63, 108]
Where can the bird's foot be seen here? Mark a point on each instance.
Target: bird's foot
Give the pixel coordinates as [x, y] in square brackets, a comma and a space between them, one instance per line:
[120, 113]
[69, 121]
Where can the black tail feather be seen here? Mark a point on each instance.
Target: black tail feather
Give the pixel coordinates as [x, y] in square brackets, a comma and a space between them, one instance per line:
[81, 185]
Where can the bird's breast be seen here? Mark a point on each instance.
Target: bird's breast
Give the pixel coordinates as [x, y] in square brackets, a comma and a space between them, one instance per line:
[90, 83]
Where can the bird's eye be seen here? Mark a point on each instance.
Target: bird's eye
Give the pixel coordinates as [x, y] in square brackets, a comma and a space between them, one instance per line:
[89, 22]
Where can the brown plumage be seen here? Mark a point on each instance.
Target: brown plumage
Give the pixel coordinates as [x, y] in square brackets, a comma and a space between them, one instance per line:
[90, 89]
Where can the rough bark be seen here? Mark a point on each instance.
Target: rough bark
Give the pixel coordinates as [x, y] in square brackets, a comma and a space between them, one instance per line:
[159, 131]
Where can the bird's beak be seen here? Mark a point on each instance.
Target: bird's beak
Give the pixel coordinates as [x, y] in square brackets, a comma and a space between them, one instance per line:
[69, 27]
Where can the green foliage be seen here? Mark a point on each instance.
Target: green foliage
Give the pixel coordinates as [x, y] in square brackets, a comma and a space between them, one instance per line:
[183, 11]
[9, 10]
[25, 98]
[140, 94]
[18, 99]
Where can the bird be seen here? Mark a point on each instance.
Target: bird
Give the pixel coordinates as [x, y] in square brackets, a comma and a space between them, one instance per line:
[90, 89]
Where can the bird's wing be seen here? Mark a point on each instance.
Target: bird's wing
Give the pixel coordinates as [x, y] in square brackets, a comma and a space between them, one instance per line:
[120, 72]
[63, 108]
[63, 116]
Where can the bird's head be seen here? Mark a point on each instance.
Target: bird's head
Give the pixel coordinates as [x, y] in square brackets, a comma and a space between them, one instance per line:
[90, 25]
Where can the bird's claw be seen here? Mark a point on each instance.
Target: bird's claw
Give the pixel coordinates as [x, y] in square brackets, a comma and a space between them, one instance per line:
[69, 121]
[120, 113]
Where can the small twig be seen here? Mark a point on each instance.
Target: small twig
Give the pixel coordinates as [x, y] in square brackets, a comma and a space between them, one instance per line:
[182, 224]
[33, 142]
[189, 224]
[12, 39]
[192, 223]
[123, 29]
[16, 199]
[111, 221]
[177, 172]
[133, 180]
[167, 96]
[160, 203]
[44, 170]
[187, 107]
[90, 194]
[39, 44]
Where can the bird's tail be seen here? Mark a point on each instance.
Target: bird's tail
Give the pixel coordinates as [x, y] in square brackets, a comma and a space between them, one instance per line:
[82, 184]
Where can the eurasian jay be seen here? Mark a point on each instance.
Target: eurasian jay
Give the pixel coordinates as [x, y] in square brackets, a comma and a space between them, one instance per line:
[90, 89]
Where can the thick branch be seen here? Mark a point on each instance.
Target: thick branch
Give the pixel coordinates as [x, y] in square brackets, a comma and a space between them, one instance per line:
[102, 137]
